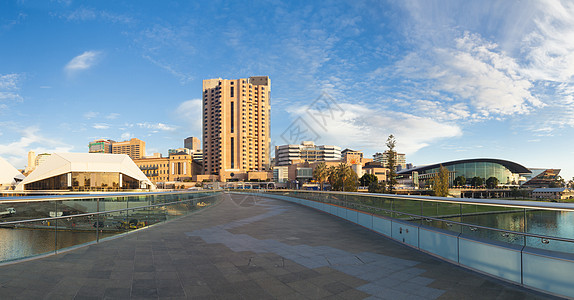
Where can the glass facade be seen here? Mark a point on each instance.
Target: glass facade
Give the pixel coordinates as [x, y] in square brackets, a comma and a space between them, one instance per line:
[480, 169]
[86, 181]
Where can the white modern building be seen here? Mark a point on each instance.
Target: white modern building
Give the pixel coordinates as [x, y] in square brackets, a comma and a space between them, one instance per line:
[86, 172]
[9, 175]
[307, 151]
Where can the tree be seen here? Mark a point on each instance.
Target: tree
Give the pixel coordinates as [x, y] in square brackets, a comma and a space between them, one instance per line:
[321, 173]
[441, 182]
[367, 179]
[557, 182]
[492, 182]
[460, 180]
[391, 163]
[377, 187]
[476, 181]
[343, 178]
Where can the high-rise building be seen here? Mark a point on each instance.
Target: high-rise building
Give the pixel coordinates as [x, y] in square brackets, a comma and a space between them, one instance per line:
[236, 126]
[134, 148]
[383, 158]
[307, 151]
[192, 143]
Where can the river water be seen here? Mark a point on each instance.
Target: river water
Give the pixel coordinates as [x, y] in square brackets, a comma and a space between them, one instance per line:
[22, 243]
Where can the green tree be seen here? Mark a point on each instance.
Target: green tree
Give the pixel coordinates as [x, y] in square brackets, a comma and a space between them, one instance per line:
[476, 181]
[441, 182]
[460, 180]
[321, 173]
[391, 164]
[367, 179]
[558, 182]
[377, 187]
[343, 178]
[492, 182]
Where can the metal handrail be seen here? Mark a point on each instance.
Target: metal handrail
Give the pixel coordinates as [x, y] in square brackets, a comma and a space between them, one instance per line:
[42, 198]
[96, 213]
[490, 202]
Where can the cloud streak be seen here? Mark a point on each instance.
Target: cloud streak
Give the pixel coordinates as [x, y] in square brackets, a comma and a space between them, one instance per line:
[83, 61]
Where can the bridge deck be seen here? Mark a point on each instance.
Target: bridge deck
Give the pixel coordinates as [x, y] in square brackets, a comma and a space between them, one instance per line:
[251, 248]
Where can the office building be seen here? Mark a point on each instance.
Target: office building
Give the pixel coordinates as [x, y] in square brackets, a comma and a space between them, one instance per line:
[383, 159]
[236, 126]
[100, 146]
[134, 148]
[307, 151]
[192, 143]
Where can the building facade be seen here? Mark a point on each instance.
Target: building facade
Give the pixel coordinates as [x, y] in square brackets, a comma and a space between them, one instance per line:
[307, 151]
[177, 166]
[100, 146]
[383, 159]
[192, 143]
[134, 148]
[507, 172]
[236, 126]
[86, 172]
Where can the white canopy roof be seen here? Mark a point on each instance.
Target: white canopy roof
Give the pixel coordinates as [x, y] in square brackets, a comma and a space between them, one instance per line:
[62, 163]
[8, 173]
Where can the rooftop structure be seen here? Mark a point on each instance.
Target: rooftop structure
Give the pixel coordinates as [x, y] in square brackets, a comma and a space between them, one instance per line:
[9, 175]
[505, 171]
[86, 171]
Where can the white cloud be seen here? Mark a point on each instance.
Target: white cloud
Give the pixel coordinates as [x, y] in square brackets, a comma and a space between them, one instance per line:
[190, 113]
[101, 126]
[112, 116]
[91, 115]
[367, 128]
[9, 87]
[87, 14]
[126, 136]
[157, 126]
[16, 152]
[83, 61]
[480, 79]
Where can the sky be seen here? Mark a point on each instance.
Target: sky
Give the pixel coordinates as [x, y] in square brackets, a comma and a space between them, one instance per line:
[449, 79]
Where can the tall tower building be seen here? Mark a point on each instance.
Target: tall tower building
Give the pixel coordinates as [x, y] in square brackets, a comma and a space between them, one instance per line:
[236, 126]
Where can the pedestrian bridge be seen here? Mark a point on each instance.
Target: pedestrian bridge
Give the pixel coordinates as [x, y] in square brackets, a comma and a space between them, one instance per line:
[259, 245]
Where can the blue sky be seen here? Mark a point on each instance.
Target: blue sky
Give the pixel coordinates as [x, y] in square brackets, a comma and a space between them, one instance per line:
[450, 79]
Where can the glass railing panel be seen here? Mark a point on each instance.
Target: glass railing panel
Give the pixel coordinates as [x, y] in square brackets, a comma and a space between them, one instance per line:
[493, 235]
[403, 209]
[552, 224]
[441, 210]
[29, 239]
[383, 206]
[75, 231]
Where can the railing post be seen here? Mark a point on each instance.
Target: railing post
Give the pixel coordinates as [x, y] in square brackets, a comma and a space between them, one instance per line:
[97, 220]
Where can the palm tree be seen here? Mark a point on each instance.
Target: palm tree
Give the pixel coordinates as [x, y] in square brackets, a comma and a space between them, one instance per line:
[343, 178]
[321, 173]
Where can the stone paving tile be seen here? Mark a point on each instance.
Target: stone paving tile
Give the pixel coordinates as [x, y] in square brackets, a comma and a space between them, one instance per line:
[249, 247]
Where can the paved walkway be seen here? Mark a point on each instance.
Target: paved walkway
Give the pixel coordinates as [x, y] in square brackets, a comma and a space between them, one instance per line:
[248, 247]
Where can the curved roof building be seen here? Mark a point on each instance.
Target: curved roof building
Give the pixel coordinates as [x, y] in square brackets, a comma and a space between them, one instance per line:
[86, 171]
[8, 174]
[505, 171]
